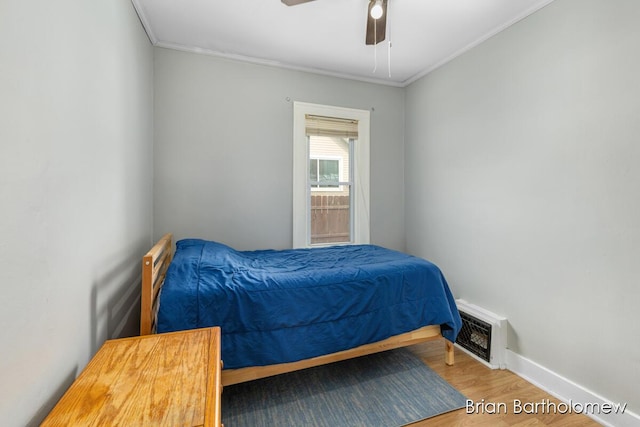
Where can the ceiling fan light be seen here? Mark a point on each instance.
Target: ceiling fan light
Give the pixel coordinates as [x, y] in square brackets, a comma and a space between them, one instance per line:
[376, 9]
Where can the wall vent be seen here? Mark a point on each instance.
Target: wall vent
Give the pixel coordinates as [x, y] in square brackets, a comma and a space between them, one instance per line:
[475, 336]
[483, 335]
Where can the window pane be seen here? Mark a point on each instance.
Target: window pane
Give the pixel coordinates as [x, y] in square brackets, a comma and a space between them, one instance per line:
[331, 217]
[330, 204]
[331, 150]
[329, 172]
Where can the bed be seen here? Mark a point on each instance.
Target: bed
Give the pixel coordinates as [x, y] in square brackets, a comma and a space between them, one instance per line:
[284, 310]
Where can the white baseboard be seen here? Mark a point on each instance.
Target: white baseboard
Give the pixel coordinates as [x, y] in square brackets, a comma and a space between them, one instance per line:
[569, 392]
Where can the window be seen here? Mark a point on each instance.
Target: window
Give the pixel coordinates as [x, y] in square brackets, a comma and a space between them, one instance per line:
[331, 175]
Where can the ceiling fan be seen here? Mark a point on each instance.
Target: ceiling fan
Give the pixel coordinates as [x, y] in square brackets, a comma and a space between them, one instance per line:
[376, 19]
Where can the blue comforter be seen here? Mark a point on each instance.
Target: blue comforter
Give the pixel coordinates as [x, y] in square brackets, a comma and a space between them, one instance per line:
[283, 306]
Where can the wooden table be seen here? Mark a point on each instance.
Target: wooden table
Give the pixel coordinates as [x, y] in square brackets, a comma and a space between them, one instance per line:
[168, 379]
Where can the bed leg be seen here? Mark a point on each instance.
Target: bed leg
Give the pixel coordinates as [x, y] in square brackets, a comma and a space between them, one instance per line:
[449, 358]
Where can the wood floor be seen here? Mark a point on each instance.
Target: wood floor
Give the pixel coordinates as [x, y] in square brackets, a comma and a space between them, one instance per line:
[477, 382]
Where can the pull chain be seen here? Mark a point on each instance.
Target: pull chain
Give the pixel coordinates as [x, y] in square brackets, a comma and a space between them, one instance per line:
[389, 46]
[375, 45]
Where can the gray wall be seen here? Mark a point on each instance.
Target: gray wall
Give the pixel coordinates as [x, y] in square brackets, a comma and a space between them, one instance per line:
[223, 159]
[522, 183]
[76, 85]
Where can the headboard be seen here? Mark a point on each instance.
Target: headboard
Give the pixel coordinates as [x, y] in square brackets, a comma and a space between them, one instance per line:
[154, 269]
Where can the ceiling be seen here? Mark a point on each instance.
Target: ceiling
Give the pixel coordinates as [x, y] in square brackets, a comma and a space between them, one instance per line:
[327, 36]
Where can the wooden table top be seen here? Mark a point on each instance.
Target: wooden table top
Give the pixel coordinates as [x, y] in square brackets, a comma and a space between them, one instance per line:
[164, 379]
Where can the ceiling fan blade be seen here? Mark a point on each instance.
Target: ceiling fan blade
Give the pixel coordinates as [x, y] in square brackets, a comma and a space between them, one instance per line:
[294, 2]
[376, 29]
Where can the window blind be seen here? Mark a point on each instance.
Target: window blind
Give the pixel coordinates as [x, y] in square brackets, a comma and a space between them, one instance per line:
[331, 126]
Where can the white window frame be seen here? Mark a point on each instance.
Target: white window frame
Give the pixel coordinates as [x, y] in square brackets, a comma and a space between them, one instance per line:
[360, 189]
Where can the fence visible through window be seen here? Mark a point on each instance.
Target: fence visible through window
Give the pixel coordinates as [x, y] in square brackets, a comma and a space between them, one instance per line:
[330, 219]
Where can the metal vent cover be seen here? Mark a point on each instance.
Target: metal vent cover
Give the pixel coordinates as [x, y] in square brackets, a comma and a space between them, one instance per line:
[475, 336]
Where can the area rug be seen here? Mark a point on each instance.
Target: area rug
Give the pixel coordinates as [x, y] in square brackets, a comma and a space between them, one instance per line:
[392, 388]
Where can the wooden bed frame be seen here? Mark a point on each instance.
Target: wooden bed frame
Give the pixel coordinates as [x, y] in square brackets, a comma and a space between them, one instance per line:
[154, 269]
